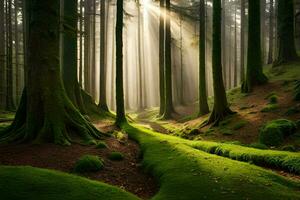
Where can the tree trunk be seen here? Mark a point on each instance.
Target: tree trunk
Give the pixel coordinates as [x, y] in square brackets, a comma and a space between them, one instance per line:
[140, 54]
[263, 29]
[162, 57]
[102, 99]
[242, 41]
[2, 58]
[121, 118]
[285, 33]
[87, 46]
[271, 32]
[235, 73]
[169, 109]
[69, 68]
[10, 105]
[223, 36]
[17, 66]
[45, 113]
[80, 42]
[254, 74]
[93, 51]
[221, 108]
[203, 105]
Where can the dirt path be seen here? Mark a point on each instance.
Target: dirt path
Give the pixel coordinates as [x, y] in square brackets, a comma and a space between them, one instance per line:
[126, 174]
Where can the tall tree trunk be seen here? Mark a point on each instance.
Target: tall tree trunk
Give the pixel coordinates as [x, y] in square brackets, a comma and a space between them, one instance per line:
[17, 66]
[285, 33]
[87, 46]
[45, 113]
[203, 105]
[223, 36]
[162, 57]
[140, 54]
[243, 16]
[121, 118]
[235, 73]
[263, 30]
[221, 108]
[102, 99]
[181, 62]
[169, 109]
[254, 74]
[2, 58]
[10, 105]
[271, 32]
[69, 68]
[81, 49]
[93, 51]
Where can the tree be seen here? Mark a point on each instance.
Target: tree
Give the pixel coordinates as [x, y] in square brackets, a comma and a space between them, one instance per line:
[69, 68]
[285, 33]
[169, 109]
[10, 105]
[2, 58]
[87, 45]
[254, 75]
[45, 113]
[140, 56]
[121, 118]
[242, 40]
[221, 108]
[271, 32]
[102, 99]
[203, 105]
[162, 57]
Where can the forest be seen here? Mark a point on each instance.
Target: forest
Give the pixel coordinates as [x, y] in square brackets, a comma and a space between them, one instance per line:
[149, 99]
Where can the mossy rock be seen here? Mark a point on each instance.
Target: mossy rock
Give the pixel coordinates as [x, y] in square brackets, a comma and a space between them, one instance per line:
[274, 132]
[116, 156]
[101, 145]
[88, 163]
[270, 108]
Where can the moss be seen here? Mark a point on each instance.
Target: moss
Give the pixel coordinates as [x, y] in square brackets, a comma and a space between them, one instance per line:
[239, 125]
[270, 108]
[290, 148]
[226, 132]
[88, 163]
[274, 132]
[273, 99]
[258, 146]
[292, 111]
[116, 156]
[101, 145]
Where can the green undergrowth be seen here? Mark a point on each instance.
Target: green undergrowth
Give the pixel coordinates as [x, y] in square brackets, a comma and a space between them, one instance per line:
[88, 163]
[186, 173]
[116, 156]
[287, 72]
[29, 183]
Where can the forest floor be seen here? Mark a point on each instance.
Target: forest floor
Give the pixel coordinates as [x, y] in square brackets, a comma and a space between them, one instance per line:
[244, 126]
[126, 174]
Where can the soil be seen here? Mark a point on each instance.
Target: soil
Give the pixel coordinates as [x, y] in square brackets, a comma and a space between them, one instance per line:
[127, 174]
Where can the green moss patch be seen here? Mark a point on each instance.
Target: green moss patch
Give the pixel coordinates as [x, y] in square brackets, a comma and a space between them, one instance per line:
[88, 163]
[101, 145]
[274, 132]
[270, 108]
[239, 125]
[116, 156]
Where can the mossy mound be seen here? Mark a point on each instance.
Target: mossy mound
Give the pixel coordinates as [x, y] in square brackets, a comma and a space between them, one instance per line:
[270, 108]
[274, 132]
[273, 99]
[88, 163]
[290, 148]
[116, 156]
[101, 145]
[258, 146]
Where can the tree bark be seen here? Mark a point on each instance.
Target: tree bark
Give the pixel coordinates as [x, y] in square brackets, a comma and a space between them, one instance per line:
[162, 57]
[2, 58]
[203, 105]
[285, 33]
[221, 108]
[271, 32]
[169, 109]
[87, 46]
[45, 113]
[243, 15]
[121, 118]
[102, 98]
[254, 74]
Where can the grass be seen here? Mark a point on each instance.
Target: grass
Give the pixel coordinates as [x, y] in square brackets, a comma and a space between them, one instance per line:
[29, 183]
[187, 173]
[88, 163]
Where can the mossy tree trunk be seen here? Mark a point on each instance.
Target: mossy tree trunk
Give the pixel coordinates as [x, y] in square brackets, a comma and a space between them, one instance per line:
[102, 99]
[46, 114]
[162, 57]
[69, 68]
[254, 75]
[221, 108]
[203, 105]
[121, 118]
[169, 109]
[285, 33]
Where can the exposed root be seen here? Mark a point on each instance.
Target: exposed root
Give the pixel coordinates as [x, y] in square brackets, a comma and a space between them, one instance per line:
[216, 117]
